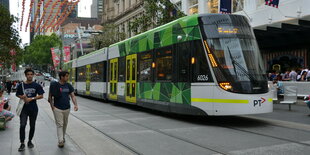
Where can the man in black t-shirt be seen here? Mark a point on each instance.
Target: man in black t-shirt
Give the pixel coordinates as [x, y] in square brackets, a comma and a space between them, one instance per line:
[60, 103]
[29, 91]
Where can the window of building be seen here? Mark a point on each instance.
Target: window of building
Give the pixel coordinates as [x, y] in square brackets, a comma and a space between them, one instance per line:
[213, 6]
[238, 5]
[163, 64]
[81, 76]
[193, 7]
[145, 66]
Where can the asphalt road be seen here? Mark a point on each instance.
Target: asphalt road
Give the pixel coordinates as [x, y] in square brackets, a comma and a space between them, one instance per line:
[150, 132]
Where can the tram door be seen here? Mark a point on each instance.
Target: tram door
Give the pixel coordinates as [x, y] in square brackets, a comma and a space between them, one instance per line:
[131, 78]
[113, 78]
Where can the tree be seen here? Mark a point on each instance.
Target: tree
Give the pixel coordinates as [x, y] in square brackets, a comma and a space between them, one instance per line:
[9, 38]
[38, 53]
[108, 37]
[157, 13]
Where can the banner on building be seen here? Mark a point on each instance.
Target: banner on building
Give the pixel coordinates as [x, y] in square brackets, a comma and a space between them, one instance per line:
[273, 3]
[55, 56]
[225, 6]
[66, 54]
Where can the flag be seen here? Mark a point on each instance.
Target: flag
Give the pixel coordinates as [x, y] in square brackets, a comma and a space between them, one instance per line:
[66, 54]
[225, 7]
[273, 3]
[55, 56]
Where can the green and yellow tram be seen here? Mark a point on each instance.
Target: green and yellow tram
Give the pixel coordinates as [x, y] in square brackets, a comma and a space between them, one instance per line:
[206, 64]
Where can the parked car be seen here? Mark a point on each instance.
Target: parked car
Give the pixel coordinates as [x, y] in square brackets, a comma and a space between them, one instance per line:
[47, 76]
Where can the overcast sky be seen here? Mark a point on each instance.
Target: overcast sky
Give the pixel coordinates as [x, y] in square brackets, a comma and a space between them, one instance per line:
[16, 10]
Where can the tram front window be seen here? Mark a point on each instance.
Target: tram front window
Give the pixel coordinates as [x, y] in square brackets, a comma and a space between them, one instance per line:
[237, 57]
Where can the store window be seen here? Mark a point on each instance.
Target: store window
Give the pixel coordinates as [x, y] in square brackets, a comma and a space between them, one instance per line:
[213, 6]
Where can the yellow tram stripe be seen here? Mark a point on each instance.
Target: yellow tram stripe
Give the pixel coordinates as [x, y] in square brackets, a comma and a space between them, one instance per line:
[270, 100]
[220, 100]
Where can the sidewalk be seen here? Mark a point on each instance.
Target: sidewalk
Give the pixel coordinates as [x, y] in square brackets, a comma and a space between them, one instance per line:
[45, 139]
[80, 138]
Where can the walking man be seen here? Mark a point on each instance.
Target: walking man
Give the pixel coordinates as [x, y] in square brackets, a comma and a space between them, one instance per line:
[31, 93]
[60, 103]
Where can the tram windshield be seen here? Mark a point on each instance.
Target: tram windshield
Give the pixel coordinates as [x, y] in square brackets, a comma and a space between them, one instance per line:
[236, 57]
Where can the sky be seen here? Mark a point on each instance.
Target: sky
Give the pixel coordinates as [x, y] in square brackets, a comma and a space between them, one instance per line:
[16, 10]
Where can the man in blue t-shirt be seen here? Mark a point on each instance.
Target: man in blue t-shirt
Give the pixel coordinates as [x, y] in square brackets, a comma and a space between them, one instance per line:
[60, 103]
[30, 92]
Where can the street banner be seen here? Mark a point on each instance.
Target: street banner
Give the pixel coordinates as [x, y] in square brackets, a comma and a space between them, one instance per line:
[273, 3]
[55, 56]
[14, 67]
[66, 54]
[225, 6]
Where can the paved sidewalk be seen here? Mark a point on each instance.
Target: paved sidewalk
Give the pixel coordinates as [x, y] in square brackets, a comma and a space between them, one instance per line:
[80, 137]
[45, 138]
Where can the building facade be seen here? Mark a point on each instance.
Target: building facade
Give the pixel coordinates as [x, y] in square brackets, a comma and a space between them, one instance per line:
[121, 13]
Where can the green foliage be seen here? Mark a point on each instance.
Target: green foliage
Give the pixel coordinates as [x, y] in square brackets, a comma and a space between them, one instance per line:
[108, 37]
[157, 13]
[9, 38]
[39, 51]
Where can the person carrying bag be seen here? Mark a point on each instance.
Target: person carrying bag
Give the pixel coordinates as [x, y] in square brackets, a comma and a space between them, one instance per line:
[21, 103]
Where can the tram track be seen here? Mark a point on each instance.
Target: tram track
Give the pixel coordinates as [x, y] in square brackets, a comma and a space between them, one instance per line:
[151, 129]
[210, 148]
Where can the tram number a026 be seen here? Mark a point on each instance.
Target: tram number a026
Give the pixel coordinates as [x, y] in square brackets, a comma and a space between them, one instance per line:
[202, 78]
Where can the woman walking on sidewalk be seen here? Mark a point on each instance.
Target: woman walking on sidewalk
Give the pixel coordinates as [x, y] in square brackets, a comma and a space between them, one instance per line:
[59, 93]
[31, 93]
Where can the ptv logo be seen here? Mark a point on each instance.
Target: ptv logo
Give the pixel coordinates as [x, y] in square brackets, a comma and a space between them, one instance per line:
[259, 102]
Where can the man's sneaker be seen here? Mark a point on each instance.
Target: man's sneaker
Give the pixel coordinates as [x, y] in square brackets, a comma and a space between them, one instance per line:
[64, 140]
[22, 147]
[61, 144]
[30, 145]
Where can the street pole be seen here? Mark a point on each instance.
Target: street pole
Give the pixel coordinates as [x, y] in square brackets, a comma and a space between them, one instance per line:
[80, 38]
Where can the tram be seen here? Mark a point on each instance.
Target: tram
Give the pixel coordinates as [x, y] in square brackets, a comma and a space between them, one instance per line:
[206, 64]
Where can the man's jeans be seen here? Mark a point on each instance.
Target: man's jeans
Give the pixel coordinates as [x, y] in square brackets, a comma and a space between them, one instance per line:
[32, 114]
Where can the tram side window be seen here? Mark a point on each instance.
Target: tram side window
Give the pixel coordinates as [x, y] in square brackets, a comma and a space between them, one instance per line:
[97, 72]
[164, 64]
[200, 66]
[81, 74]
[145, 66]
[184, 53]
[121, 69]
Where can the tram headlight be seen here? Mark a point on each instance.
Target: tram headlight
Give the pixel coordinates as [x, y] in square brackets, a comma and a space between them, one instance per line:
[225, 85]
